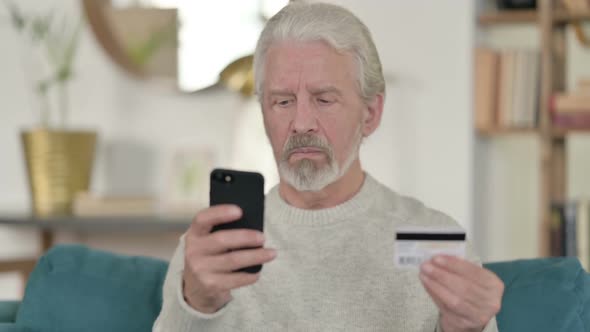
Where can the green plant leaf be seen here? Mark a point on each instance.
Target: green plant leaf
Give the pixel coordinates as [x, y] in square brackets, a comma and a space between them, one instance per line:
[70, 50]
[16, 17]
[40, 27]
[43, 86]
[57, 42]
[142, 52]
[63, 74]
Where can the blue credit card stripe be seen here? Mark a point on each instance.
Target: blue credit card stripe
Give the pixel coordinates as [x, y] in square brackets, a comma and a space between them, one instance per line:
[431, 236]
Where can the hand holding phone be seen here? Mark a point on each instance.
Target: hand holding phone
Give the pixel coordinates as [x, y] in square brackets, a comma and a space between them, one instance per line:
[246, 190]
[212, 258]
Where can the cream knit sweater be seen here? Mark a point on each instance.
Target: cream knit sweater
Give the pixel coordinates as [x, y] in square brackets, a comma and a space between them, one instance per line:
[334, 271]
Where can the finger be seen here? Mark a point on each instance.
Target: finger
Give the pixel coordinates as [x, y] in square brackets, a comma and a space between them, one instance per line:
[238, 259]
[426, 282]
[433, 296]
[458, 285]
[225, 240]
[447, 301]
[465, 268]
[212, 216]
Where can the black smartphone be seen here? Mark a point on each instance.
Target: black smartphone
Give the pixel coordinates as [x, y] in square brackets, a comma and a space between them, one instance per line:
[244, 189]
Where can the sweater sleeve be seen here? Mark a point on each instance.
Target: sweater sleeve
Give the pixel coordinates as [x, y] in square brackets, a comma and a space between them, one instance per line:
[176, 314]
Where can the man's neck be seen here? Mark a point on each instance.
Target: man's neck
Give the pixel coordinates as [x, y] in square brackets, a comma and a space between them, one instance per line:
[334, 194]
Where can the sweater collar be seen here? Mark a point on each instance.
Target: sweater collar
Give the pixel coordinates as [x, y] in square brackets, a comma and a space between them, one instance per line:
[280, 211]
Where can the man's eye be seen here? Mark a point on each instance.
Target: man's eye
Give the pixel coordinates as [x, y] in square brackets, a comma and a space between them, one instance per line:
[285, 102]
[324, 101]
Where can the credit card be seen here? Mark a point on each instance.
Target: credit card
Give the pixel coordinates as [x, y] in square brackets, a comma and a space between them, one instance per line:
[415, 245]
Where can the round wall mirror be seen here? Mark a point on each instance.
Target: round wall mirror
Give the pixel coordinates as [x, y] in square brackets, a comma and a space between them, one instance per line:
[193, 44]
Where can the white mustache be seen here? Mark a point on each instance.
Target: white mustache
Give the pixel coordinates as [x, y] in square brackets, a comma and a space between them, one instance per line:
[305, 141]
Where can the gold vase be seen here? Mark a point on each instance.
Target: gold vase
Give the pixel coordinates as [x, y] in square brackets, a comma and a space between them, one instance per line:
[59, 165]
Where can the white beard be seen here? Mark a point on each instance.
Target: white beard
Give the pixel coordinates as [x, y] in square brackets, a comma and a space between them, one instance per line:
[306, 175]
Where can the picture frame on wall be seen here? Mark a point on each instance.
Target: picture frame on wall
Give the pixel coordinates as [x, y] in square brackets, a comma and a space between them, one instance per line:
[188, 181]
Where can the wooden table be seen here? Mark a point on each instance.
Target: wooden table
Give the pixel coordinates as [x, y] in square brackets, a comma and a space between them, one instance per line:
[47, 228]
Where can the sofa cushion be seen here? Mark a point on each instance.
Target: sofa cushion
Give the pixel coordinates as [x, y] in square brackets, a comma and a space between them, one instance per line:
[74, 288]
[10, 327]
[8, 310]
[541, 295]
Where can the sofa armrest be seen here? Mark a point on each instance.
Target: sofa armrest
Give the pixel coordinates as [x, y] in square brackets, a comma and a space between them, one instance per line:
[8, 310]
[549, 294]
[11, 327]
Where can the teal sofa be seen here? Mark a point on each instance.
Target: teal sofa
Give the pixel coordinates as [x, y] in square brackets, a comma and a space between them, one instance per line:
[74, 288]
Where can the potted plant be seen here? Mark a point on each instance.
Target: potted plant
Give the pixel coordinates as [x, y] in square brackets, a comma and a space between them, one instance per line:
[59, 160]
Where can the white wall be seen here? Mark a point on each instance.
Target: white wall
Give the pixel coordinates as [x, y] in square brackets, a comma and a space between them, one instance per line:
[423, 149]
[425, 47]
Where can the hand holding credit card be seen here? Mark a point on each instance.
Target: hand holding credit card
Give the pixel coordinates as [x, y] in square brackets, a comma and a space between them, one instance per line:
[467, 295]
[415, 245]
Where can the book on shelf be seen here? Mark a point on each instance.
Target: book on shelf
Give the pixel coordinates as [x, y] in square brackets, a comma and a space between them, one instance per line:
[583, 239]
[571, 120]
[506, 88]
[584, 86]
[576, 5]
[571, 102]
[570, 230]
[486, 72]
[556, 231]
[572, 110]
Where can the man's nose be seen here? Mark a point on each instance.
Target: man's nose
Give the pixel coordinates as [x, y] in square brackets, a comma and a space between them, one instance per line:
[305, 119]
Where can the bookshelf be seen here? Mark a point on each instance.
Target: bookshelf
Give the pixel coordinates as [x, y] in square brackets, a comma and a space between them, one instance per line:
[504, 17]
[560, 132]
[559, 17]
[551, 20]
[490, 132]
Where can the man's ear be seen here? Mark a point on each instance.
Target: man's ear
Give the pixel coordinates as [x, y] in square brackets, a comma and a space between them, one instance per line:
[373, 112]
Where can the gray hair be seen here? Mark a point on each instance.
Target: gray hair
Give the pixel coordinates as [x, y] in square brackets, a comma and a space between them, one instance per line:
[338, 27]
